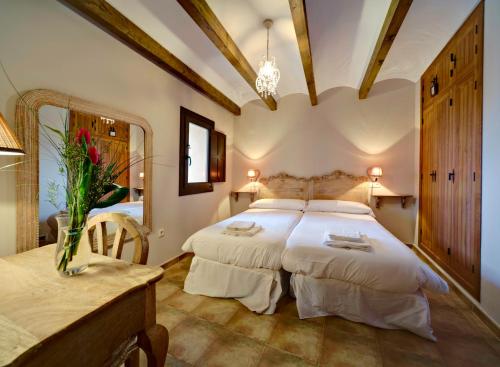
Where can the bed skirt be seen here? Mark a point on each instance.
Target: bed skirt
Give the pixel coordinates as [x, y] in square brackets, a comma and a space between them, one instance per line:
[257, 289]
[323, 297]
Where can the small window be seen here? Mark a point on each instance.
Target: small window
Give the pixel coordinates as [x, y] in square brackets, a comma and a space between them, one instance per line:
[194, 153]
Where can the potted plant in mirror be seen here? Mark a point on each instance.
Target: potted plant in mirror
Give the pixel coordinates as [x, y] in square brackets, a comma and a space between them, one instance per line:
[89, 183]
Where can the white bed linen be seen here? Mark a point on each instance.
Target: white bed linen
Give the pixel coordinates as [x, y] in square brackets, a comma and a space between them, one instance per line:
[263, 250]
[134, 209]
[391, 266]
[322, 297]
[258, 289]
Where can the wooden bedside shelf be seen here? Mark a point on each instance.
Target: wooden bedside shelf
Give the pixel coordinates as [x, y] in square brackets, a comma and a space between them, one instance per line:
[236, 194]
[403, 197]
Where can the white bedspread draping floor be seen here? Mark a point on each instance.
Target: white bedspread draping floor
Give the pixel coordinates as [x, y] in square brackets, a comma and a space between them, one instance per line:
[324, 297]
[258, 289]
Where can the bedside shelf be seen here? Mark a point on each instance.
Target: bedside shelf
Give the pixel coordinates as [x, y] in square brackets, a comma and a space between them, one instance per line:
[236, 194]
[403, 197]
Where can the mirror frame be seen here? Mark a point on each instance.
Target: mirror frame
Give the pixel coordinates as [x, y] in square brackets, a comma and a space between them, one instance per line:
[27, 173]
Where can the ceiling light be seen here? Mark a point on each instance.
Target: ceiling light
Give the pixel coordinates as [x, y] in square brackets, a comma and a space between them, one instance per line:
[269, 74]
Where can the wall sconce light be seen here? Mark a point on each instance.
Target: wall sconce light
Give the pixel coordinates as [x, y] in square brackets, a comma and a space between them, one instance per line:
[9, 144]
[374, 173]
[141, 174]
[253, 174]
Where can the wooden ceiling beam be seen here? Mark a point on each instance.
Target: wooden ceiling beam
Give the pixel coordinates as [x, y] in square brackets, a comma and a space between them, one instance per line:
[299, 16]
[393, 20]
[115, 23]
[202, 15]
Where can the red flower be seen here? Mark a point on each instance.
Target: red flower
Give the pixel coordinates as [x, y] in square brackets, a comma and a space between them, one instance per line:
[94, 155]
[81, 134]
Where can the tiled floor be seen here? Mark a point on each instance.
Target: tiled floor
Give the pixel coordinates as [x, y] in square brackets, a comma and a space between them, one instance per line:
[220, 332]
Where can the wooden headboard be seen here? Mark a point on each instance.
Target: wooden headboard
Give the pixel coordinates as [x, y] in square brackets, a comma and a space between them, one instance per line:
[336, 185]
[283, 186]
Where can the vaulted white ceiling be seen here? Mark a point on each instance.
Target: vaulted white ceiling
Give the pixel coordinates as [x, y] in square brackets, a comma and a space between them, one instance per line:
[343, 34]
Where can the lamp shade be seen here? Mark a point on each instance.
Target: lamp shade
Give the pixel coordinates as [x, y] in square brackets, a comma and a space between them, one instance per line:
[253, 174]
[141, 174]
[374, 173]
[9, 145]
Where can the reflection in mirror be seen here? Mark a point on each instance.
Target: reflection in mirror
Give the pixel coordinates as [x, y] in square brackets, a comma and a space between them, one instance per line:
[198, 160]
[115, 140]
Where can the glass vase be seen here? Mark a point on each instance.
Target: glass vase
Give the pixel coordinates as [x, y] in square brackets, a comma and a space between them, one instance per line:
[72, 251]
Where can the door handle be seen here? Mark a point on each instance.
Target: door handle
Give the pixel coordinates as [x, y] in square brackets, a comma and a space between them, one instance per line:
[433, 174]
[189, 160]
[451, 176]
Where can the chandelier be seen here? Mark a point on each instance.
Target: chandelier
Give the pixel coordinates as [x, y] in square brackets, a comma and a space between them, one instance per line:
[269, 74]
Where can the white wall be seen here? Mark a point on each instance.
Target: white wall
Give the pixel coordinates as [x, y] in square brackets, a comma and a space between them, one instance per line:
[43, 44]
[341, 132]
[490, 245]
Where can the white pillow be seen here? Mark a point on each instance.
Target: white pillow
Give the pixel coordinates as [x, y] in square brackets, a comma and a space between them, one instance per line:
[286, 204]
[338, 206]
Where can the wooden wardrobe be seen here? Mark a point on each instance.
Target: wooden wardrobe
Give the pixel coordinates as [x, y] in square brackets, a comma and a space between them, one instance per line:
[450, 165]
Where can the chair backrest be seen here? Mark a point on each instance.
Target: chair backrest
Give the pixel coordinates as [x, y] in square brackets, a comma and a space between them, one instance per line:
[124, 225]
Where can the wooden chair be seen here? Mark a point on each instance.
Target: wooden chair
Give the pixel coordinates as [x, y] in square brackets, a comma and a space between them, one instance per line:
[126, 225]
[138, 234]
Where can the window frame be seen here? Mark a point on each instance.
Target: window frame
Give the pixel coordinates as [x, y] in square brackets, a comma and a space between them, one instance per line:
[185, 187]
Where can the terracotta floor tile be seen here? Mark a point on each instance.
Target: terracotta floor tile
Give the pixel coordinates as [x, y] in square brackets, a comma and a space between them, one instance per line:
[217, 310]
[406, 342]
[460, 351]
[287, 307]
[397, 358]
[334, 323]
[447, 320]
[220, 332]
[298, 337]
[344, 349]
[174, 362]
[191, 339]
[169, 317]
[232, 350]
[176, 274]
[253, 325]
[276, 358]
[184, 301]
[165, 289]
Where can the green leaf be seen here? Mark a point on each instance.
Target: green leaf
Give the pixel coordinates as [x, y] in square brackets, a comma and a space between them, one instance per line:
[118, 194]
[57, 131]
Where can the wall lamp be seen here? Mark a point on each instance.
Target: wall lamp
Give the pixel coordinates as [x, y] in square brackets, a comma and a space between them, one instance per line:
[374, 173]
[253, 174]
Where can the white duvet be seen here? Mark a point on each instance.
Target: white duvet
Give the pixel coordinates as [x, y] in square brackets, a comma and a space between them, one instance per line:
[134, 209]
[391, 266]
[262, 250]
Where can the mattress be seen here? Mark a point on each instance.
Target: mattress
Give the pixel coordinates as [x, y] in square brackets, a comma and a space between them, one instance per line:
[391, 266]
[263, 250]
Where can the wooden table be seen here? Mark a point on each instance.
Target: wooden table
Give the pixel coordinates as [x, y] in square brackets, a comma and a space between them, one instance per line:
[50, 320]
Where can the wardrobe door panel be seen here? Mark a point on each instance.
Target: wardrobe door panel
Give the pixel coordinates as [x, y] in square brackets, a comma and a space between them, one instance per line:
[428, 166]
[467, 129]
[444, 200]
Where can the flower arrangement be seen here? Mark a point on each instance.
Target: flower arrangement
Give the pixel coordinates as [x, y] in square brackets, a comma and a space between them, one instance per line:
[89, 184]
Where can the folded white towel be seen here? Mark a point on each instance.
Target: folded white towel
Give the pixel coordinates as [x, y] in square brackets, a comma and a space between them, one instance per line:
[249, 233]
[241, 225]
[346, 235]
[349, 245]
[363, 245]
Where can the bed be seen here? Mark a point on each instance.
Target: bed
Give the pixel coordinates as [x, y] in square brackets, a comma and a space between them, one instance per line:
[134, 209]
[382, 287]
[246, 268]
